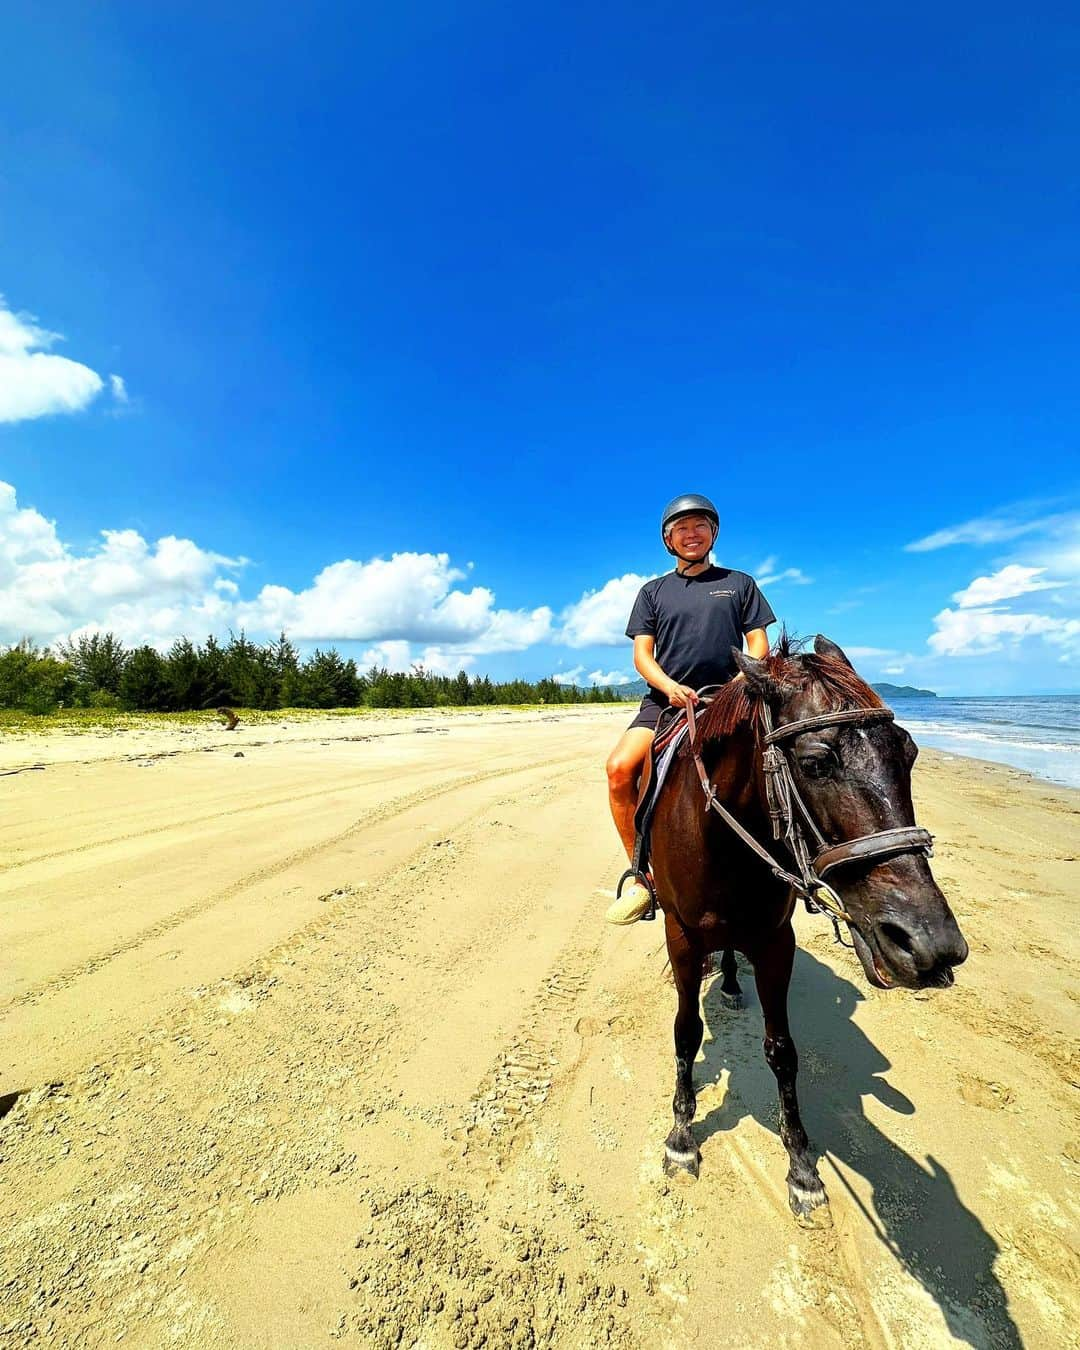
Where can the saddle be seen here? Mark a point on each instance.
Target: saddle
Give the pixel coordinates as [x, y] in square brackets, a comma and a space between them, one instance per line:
[671, 731]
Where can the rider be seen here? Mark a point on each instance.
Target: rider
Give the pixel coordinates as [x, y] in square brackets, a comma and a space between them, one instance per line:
[684, 625]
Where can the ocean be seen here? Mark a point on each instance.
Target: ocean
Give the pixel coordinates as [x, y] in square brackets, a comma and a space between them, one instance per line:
[1038, 733]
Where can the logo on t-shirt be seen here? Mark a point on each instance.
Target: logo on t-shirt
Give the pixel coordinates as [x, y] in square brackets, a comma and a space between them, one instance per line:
[721, 592]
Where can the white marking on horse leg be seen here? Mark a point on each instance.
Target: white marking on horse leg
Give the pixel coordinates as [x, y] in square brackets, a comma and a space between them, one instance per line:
[680, 1154]
[808, 1197]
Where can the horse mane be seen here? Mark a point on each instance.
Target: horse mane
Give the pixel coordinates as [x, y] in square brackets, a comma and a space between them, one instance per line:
[739, 703]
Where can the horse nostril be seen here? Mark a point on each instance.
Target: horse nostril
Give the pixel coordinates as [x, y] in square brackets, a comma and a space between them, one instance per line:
[897, 937]
[954, 949]
[915, 948]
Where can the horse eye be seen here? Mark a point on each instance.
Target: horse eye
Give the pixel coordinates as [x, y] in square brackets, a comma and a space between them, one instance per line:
[819, 765]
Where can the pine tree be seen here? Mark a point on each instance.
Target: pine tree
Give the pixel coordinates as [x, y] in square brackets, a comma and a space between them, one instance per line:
[98, 662]
[213, 682]
[184, 676]
[285, 660]
[329, 682]
[460, 691]
[144, 685]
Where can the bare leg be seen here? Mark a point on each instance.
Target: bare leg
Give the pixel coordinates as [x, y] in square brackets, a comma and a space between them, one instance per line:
[772, 972]
[623, 771]
[730, 993]
[681, 1152]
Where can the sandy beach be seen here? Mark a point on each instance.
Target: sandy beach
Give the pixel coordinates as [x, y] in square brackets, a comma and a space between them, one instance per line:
[313, 1032]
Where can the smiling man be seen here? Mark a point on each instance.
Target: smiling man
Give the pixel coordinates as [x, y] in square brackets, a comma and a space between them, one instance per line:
[684, 625]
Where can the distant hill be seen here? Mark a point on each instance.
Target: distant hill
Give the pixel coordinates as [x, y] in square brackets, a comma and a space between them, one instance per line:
[635, 690]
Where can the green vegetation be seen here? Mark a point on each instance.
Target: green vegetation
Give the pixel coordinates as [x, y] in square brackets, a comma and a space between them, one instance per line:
[97, 673]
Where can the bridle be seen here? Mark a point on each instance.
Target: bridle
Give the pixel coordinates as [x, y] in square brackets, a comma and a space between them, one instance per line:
[791, 818]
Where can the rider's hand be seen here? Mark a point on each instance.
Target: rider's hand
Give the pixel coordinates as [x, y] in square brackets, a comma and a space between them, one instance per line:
[681, 694]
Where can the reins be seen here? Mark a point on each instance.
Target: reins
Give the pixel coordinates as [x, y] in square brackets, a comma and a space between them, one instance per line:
[725, 815]
[791, 818]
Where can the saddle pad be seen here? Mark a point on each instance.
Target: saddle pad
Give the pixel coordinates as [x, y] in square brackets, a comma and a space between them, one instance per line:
[645, 807]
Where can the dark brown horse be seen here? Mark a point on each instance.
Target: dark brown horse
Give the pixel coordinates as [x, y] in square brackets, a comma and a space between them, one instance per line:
[854, 777]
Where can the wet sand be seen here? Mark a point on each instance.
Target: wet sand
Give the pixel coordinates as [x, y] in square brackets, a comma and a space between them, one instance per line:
[326, 1040]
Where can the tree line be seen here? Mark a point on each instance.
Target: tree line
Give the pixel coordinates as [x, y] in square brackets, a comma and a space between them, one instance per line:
[98, 671]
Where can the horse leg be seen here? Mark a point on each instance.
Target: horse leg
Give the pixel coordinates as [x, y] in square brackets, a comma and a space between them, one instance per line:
[772, 972]
[730, 993]
[681, 1152]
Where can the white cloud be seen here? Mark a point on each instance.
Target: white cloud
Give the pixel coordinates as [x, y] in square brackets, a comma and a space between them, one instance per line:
[613, 677]
[993, 529]
[408, 597]
[398, 655]
[445, 660]
[974, 632]
[33, 381]
[875, 662]
[982, 623]
[142, 591]
[394, 656]
[1010, 581]
[768, 573]
[119, 389]
[599, 618]
[577, 676]
[409, 607]
[1058, 551]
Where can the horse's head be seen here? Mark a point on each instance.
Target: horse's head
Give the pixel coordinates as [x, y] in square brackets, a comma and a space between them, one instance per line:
[856, 780]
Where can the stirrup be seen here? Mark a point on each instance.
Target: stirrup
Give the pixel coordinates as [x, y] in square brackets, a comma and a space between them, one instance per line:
[643, 880]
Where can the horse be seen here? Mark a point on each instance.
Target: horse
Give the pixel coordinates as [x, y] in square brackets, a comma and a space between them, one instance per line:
[800, 743]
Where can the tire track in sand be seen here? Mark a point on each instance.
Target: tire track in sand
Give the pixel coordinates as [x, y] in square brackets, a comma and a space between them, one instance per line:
[185, 823]
[376, 816]
[244, 1096]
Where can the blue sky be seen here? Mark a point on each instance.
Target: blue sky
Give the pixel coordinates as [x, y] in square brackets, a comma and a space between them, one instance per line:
[417, 318]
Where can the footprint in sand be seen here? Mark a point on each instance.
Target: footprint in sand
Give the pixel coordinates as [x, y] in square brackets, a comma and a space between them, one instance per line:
[978, 1092]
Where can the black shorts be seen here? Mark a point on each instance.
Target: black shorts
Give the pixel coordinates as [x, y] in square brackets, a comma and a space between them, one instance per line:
[648, 714]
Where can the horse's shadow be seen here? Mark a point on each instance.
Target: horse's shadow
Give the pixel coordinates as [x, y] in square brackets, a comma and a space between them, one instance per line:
[915, 1210]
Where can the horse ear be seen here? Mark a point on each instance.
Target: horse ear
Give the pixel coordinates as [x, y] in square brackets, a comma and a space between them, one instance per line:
[824, 647]
[756, 673]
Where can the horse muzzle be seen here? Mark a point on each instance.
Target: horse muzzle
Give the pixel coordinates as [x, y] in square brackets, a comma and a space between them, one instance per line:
[909, 951]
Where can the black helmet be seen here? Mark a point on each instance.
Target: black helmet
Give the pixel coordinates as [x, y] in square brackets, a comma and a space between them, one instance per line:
[689, 504]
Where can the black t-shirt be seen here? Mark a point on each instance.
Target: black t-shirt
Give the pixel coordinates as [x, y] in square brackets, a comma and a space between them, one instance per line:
[696, 621]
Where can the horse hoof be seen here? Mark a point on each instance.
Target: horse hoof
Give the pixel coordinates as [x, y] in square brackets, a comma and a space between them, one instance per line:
[733, 1002]
[810, 1207]
[682, 1165]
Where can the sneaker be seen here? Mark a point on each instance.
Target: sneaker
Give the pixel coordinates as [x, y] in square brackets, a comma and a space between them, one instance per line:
[630, 906]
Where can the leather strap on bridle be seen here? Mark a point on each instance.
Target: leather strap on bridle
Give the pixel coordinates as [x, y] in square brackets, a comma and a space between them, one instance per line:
[790, 815]
[725, 815]
[874, 847]
[831, 719]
